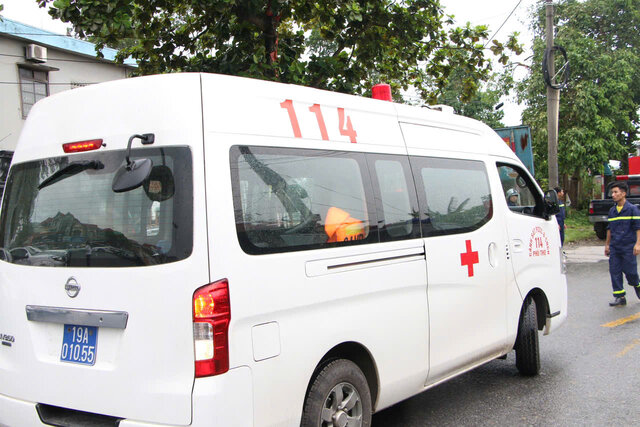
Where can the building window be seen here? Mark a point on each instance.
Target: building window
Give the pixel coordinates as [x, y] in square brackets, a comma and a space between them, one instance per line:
[34, 85]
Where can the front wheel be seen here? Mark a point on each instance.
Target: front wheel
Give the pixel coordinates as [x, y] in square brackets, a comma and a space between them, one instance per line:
[527, 348]
[338, 397]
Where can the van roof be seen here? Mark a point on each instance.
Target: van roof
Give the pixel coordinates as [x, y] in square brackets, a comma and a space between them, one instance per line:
[237, 105]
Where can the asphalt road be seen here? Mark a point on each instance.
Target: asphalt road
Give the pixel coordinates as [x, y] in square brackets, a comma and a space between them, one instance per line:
[590, 373]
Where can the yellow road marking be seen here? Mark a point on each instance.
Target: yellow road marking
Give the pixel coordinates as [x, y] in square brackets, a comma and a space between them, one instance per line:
[629, 347]
[621, 321]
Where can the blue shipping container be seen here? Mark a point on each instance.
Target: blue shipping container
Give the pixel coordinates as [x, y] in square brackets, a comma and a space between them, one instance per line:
[518, 138]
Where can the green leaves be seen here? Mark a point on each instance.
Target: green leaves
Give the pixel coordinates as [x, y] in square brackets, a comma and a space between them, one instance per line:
[340, 45]
[599, 110]
[61, 4]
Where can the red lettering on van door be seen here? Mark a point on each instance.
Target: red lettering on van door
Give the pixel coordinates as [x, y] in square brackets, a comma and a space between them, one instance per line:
[348, 131]
[315, 108]
[345, 127]
[288, 105]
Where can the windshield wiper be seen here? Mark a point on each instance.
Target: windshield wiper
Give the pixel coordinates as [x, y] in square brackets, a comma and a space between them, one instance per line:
[71, 169]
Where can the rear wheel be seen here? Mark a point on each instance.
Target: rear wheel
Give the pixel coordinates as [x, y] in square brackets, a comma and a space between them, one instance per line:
[527, 349]
[601, 230]
[338, 397]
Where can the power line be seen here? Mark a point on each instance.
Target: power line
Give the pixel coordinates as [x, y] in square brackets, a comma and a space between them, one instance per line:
[505, 21]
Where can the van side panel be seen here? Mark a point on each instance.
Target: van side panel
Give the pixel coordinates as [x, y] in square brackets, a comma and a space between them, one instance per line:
[300, 300]
[308, 308]
[465, 239]
[536, 253]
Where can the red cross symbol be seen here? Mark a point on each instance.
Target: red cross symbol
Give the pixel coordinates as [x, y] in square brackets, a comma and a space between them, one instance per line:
[469, 258]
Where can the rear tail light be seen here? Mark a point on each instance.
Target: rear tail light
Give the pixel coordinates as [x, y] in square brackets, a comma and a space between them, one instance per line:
[211, 317]
[590, 207]
[76, 147]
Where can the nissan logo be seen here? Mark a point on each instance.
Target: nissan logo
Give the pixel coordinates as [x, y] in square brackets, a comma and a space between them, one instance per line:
[72, 287]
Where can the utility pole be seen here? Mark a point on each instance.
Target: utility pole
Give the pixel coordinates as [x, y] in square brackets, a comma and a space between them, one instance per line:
[553, 104]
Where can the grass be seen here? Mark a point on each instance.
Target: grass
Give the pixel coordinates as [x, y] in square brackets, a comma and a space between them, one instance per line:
[578, 227]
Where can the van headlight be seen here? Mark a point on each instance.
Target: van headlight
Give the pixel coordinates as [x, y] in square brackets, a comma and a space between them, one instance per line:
[563, 261]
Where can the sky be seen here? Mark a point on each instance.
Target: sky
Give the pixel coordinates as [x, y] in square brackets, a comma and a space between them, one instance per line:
[494, 16]
[475, 12]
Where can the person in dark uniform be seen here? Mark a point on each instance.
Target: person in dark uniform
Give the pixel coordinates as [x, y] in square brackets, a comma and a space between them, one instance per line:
[623, 243]
[562, 214]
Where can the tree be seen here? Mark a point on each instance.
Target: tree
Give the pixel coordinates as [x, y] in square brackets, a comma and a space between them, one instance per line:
[484, 104]
[599, 109]
[340, 45]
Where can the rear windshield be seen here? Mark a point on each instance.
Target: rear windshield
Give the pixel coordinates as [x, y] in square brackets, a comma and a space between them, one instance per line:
[78, 221]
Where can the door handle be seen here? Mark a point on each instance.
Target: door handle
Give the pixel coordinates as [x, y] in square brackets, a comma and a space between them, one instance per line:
[493, 254]
[517, 245]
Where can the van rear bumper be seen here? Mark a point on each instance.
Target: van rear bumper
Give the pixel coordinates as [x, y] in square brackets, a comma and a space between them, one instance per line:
[224, 400]
[17, 413]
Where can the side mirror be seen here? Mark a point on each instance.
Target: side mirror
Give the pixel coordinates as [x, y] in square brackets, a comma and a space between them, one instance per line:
[134, 173]
[551, 203]
[131, 176]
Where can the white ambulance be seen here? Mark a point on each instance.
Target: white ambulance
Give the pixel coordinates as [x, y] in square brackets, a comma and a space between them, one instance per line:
[220, 251]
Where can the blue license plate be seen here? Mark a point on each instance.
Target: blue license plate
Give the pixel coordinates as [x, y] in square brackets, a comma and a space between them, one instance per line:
[79, 344]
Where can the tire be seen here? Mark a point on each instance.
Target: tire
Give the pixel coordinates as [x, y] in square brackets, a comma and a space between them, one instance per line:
[339, 396]
[527, 348]
[601, 230]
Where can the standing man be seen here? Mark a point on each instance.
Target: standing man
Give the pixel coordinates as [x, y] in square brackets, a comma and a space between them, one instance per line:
[623, 243]
[562, 214]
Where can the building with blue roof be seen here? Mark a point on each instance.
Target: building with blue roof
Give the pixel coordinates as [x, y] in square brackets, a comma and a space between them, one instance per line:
[36, 63]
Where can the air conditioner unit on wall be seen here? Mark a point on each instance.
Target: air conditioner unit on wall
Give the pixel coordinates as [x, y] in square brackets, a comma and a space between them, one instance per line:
[35, 53]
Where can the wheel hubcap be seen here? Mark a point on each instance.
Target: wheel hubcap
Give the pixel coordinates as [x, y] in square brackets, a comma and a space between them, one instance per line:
[340, 419]
[342, 407]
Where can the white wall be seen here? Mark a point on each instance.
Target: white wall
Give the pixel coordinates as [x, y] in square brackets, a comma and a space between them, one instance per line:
[72, 69]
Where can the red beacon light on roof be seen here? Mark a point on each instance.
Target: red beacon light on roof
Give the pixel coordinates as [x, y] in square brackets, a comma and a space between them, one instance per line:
[76, 147]
[381, 91]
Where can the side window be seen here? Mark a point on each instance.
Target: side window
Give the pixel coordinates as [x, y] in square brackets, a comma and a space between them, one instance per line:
[519, 191]
[294, 199]
[398, 214]
[454, 195]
